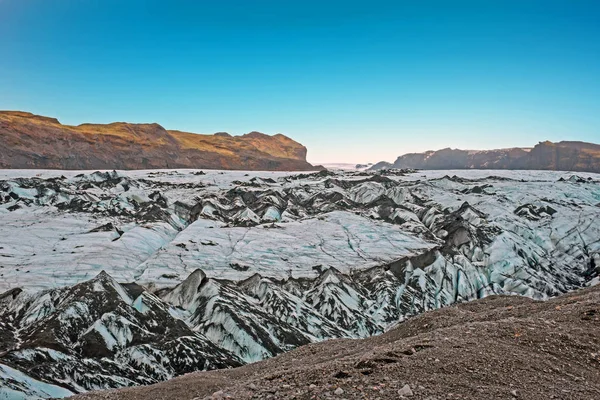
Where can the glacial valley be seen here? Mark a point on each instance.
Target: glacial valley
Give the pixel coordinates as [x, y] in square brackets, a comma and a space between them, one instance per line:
[111, 279]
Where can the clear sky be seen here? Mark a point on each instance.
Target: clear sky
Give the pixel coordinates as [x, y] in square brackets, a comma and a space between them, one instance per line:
[354, 81]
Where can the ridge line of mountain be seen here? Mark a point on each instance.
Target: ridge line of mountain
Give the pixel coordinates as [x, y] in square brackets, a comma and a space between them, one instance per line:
[560, 156]
[38, 142]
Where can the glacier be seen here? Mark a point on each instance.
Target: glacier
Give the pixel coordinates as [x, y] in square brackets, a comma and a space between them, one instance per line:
[104, 274]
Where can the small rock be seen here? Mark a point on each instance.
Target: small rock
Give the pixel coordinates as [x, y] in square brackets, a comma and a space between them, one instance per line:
[514, 393]
[341, 375]
[252, 386]
[218, 395]
[405, 391]
[312, 386]
[339, 391]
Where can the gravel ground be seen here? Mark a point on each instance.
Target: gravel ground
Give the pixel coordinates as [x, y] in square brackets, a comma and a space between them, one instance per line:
[501, 347]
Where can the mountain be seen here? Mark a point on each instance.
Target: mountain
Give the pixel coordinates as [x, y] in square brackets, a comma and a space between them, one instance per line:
[116, 279]
[561, 156]
[501, 347]
[33, 141]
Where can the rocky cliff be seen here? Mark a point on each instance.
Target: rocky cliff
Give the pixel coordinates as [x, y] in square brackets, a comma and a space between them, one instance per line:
[561, 156]
[33, 141]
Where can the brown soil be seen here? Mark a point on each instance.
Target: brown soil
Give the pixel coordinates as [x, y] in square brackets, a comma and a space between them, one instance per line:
[496, 348]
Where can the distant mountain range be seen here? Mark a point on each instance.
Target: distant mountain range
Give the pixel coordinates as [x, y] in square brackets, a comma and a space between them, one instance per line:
[33, 141]
[561, 156]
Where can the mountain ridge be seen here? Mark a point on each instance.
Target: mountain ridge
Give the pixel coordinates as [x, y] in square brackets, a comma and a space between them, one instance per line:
[555, 156]
[40, 142]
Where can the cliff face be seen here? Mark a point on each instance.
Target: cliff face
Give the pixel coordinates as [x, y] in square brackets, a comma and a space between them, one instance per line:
[32, 141]
[561, 156]
[566, 156]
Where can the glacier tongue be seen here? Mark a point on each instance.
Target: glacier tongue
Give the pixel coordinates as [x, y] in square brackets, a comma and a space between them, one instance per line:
[114, 279]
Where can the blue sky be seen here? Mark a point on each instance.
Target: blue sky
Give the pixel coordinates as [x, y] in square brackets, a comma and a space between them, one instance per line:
[354, 81]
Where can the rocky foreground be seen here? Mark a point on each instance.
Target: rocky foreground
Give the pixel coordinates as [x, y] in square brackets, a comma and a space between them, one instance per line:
[501, 347]
[33, 141]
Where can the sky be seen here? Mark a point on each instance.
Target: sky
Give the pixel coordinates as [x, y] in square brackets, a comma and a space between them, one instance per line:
[354, 81]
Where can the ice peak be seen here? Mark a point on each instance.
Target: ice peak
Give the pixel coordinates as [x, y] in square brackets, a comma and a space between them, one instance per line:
[332, 275]
[253, 280]
[192, 283]
[197, 276]
[103, 277]
[256, 285]
[184, 294]
[104, 282]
